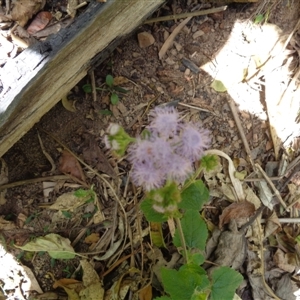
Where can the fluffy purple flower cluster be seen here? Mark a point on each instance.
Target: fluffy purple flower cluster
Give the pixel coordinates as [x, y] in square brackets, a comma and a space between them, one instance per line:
[169, 152]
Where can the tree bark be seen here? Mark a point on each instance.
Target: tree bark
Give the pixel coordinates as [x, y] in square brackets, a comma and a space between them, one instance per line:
[42, 74]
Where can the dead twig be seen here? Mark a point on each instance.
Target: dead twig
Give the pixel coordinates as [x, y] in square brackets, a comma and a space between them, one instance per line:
[186, 15]
[241, 131]
[93, 82]
[197, 108]
[47, 155]
[35, 180]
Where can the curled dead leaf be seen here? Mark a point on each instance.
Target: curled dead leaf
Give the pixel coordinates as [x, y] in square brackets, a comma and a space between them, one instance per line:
[23, 10]
[68, 104]
[235, 211]
[69, 164]
[40, 21]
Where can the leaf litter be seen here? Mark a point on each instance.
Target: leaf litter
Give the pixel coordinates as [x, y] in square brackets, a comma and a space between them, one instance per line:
[266, 248]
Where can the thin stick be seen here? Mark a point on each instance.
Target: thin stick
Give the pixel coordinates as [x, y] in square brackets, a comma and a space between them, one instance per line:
[93, 82]
[33, 180]
[47, 155]
[197, 108]
[241, 130]
[186, 15]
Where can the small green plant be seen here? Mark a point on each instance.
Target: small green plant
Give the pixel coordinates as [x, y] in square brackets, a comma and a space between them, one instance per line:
[67, 271]
[109, 87]
[163, 164]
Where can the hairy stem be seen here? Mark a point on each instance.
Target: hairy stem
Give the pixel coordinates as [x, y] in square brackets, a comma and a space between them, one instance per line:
[182, 239]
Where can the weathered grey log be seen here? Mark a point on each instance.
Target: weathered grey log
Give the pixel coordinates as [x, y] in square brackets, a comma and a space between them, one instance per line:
[42, 74]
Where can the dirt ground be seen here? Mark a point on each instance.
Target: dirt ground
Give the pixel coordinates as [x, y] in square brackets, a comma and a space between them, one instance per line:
[258, 65]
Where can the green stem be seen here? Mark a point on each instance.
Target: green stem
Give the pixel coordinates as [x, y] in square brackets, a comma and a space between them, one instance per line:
[193, 178]
[182, 239]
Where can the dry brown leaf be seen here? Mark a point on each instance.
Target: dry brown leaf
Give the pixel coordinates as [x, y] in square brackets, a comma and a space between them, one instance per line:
[23, 10]
[92, 238]
[169, 42]
[69, 202]
[119, 80]
[64, 282]
[40, 21]
[69, 164]
[94, 156]
[146, 293]
[6, 225]
[72, 8]
[236, 210]
[281, 260]
[272, 224]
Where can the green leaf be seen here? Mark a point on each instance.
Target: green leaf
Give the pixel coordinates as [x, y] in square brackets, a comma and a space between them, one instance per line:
[105, 112]
[218, 86]
[225, 281]
[194, 196]
[194, 230]
[109, 80]
[259, 18]
[81, 193]
[209, 162]
[182, 284]
[87, 88]
[57, 246]
[197, 259]
[114, 99]
[67, 214]
[151, 214]
[157, 235]
[163, 298]
[120, 90]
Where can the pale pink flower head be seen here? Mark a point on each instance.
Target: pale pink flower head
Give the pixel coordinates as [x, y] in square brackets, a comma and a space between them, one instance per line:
[146, 175]
[180, 168]
[193, 142]
[164, 121]
[169, 152]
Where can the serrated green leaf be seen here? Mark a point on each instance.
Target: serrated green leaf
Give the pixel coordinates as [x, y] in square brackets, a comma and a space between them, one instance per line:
[151, 214]
[182, 284]
[194, 196]
[109, 80]
[197, 258]
[114, 99]
[87, 88]
[218, 86]
[224, 283]
[194, 231]
[163, 298]
[58, 247]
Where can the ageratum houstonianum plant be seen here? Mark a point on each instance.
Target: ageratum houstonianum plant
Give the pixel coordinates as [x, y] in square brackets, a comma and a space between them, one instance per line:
[164, 159]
